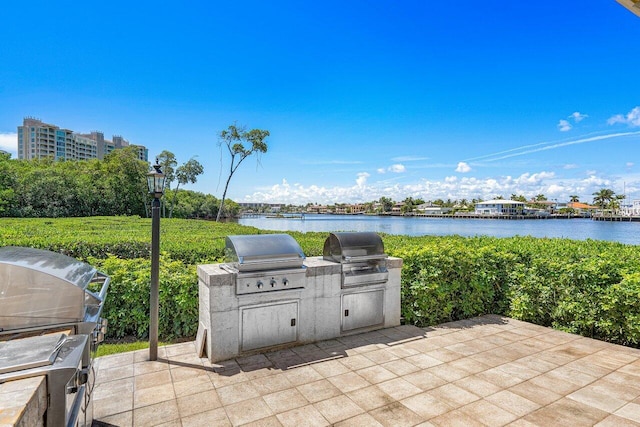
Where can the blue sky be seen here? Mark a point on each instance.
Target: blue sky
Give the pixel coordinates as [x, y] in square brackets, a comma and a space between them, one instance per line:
[363, 99]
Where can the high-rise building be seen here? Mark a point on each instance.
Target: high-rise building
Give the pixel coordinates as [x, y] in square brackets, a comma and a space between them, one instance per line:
[38, 140]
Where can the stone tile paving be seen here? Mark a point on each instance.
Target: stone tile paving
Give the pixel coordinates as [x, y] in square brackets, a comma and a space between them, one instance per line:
[486, 371]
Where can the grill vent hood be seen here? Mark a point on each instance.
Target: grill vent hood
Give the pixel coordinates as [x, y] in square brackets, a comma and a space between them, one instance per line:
[345, 247]
[263, 252]
[361, 256]
[42, 289]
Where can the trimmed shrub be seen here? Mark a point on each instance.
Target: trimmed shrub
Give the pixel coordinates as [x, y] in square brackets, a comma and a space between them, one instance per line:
[127, 305]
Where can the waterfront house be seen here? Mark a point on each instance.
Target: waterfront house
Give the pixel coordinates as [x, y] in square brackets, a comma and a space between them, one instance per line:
[631, 210]
[431, 209]
[582, 209]
[319, 209]
[548, 206]
[397, 208]
[500, 207]
[358, 208]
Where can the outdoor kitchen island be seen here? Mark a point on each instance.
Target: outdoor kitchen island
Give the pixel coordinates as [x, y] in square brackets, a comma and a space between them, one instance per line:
[245, 313]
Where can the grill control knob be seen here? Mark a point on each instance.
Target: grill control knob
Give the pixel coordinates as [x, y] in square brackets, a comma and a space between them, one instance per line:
[285, 282]
[273, 282]
[259, 284]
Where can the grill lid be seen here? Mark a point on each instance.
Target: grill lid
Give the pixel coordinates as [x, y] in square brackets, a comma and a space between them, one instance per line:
[263, 252]
[352, 247]
[60, 267]
[42, 289]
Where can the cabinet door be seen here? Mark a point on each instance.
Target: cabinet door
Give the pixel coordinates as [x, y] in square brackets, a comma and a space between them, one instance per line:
[269, 325]
[362, 309]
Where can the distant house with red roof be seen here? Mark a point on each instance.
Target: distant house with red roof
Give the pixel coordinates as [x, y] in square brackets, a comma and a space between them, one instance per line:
[582, 208]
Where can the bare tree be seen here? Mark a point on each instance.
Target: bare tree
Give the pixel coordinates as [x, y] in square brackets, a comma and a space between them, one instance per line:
[235, 138]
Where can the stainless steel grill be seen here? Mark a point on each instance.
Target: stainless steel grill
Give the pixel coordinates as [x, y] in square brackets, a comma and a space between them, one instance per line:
[50, 324]
[265, 262]
[62, 359]
[43, 290]
[361, 256]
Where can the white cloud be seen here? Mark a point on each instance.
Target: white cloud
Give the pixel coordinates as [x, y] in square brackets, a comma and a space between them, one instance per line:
[397, 168]
[618, 118]
[630, 164]
[564, 126]
[595, 181]
[362, 179]
[578, 117]
[554, 189]
[9, 142]
[535, 178]
[570, 166]
[450, 187]
[463, 167]
[632, 118]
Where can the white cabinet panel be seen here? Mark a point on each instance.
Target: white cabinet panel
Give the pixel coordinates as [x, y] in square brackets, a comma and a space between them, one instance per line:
[269, 325]
[362, 309]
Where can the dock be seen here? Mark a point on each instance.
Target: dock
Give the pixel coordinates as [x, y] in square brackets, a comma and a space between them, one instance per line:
[616, 218]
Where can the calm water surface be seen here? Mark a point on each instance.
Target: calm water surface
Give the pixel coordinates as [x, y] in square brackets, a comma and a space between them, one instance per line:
[578, 229]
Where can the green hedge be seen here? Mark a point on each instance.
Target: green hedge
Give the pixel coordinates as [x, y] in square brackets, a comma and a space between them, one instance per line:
[587, 287]
[190, 241]
[127, 306]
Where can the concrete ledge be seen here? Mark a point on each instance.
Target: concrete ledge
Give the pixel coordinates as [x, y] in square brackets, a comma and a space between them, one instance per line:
[23, 402]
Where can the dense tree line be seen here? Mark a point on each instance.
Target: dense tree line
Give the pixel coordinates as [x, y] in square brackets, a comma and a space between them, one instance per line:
[116, 185]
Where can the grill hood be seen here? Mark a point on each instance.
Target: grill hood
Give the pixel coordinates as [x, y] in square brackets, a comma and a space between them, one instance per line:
[43, 289]
[361, 256]
[258, 252]
[347, 247]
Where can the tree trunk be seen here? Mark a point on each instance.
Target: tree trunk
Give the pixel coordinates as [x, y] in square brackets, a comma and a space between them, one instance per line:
[224, 196]
[175, 198]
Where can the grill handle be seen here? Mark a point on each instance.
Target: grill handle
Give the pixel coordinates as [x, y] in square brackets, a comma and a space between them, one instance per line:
[350, 258]
[105, 285]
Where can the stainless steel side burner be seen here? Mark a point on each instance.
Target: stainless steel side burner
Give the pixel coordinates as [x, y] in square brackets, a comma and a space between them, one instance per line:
[69, 380]
[361, 255]
[265, 262]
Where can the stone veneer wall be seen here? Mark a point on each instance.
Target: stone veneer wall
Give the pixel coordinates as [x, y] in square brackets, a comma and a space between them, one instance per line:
[23, 402]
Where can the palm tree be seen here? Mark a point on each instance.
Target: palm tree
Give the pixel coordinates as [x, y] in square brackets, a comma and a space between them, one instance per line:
[615, 203]
[603, 198]
[574, 199]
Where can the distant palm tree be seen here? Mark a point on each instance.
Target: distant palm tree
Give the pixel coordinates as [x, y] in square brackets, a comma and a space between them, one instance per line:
[574, 199]
[615, 203]
[604, 197]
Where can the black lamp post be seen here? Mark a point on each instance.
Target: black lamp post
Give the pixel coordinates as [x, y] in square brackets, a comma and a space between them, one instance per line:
[155, 180]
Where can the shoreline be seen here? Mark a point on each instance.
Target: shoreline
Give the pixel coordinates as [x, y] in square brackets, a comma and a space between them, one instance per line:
[608, 218]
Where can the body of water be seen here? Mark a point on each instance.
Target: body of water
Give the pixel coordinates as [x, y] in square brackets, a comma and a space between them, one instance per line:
[578, 229]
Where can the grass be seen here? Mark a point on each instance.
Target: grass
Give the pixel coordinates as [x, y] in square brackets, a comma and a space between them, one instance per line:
[114, 348]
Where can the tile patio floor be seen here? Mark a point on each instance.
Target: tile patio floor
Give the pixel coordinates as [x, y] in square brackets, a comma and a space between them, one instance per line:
[488, 370]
